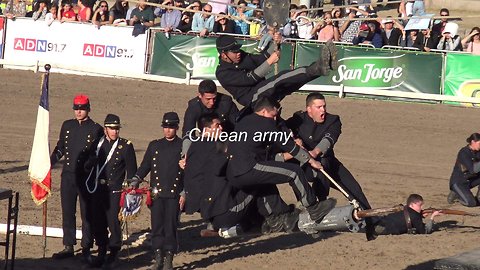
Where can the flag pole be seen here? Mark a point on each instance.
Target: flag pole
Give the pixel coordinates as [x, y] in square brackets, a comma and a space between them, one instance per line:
[45, 76]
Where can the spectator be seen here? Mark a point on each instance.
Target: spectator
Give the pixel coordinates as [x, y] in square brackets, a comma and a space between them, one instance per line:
[85, 12]
[254, 4]
[349, 28]
[171, 18]
[203, 23]
[241, 26]
[52, 15]
[185, 24]
[290, 29]
[265, 39]
[418, 8]
[40, 10]
[327, 30]
[195, 5]
[429, 41]
[337, 14]
[101, 15]
[178, 4]
[67, 14]
[412, 39]
[15, 8]
[438, 27]
[223, 25]
[304, 25]
[450, 41]
[369, 34]
[471, 43]
[258, 25]
[118, 13]
[142, 14]
[391, 35]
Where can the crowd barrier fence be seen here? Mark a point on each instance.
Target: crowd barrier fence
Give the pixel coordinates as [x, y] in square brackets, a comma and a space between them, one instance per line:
[188, 58]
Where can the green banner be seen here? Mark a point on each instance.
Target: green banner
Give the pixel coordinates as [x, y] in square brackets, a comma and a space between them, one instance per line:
[462, 75]
[179, 54]
[378, 69]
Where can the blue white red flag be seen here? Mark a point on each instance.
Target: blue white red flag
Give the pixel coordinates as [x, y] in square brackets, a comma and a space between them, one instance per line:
[39, 168]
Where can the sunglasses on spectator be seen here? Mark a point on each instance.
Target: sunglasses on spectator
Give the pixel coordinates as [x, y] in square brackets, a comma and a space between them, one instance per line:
[103, 6]
[444, 14]
[207, 10]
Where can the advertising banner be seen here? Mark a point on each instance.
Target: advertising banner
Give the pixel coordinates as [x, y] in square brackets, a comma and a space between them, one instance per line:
[377, 69]
[462, 76]
[76, 46]
[2, 27]
[179, 54]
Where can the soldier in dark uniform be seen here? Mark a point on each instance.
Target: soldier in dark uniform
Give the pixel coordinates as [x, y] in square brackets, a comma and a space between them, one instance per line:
[318, 131]
[75, 143]
[113, 159]
[207, 189]
[466, 173]
[250, 167]
[410, 220]
[166, 180]
[208, 101]
[243, 74]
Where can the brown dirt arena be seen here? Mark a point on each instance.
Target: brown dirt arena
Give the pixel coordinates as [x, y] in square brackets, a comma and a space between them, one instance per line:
[392, 148]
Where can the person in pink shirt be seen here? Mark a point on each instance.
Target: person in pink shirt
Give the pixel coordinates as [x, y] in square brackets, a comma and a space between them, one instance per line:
[471, 43]
[85, 13]
[326, 31]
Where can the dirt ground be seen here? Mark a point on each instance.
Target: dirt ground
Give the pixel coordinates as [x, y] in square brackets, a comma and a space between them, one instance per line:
[392, 148]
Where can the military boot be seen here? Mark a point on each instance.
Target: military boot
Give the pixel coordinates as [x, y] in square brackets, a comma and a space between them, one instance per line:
[168, 265]
[290, 220]
[100, 259]
[319, 210]
[333, 52]
[159, 260]
[111, 260]
[67, 252]
[453, 197]
[274, 223]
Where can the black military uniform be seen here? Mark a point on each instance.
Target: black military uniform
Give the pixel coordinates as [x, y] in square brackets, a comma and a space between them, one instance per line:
[111, 161]
[324, 136]
[465, 176]
[75, 143]
[166, 180]
[207, 189]
[246, 81]
[250, 167]
[406, 221]
[224, 107]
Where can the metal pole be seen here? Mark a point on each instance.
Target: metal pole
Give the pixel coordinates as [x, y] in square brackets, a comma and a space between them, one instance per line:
[44, 234]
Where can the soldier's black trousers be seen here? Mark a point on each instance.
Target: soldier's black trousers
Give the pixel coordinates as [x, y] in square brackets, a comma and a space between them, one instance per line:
[465, 195]
[278, 86]
[71, 187]
[164, 218]
[248, 203]
[272, 173]
[321, 185]
[105, 208]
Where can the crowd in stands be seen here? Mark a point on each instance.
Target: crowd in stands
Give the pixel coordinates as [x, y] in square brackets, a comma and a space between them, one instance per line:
[358, 25]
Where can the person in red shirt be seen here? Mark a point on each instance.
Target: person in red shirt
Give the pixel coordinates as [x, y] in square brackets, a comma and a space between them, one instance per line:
[66, 14]
[85, 13]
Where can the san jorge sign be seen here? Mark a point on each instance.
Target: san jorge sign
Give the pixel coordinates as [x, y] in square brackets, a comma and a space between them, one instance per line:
[378, 69]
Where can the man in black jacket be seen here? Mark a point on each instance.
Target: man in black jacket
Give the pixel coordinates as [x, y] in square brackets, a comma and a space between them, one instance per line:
[113, 158]
[208, 101]
[243, 74]
[166, 181]
[75, 143]
[207, 189]
[250, 165]
[410, 220]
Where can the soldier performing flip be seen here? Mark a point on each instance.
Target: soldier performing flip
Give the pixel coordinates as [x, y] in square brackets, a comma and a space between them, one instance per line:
[75, 143]
[243, 74]
[113, 158]
[166, 181]
[208, 101]
[250, 166]
[318, 131]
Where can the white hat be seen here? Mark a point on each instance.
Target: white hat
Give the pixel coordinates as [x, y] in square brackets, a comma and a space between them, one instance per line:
[451, 28]
[387, 20]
